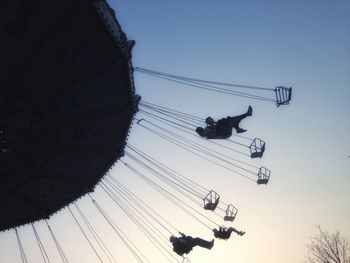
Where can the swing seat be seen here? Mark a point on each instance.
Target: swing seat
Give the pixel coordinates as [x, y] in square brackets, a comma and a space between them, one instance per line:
[211, 200]
[186, 260]
[231, 213]
[263, 175]
[283, 95]
[257, 148]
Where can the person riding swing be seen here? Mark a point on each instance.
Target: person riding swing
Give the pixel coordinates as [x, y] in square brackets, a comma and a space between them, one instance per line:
[184, 244]
[225, 233]
[222, 129]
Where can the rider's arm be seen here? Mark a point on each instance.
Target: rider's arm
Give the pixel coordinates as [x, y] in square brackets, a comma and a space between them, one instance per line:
[182, 234]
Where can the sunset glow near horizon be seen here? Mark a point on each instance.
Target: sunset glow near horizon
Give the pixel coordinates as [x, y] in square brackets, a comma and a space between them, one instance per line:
[302, 44]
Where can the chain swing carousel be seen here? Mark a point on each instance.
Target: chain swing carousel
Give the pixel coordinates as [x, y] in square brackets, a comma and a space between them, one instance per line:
[66, 106]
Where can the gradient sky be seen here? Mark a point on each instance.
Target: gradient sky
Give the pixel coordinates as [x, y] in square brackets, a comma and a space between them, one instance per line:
[303, 44]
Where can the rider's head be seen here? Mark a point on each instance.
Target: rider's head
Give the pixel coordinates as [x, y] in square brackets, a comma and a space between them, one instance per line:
[172, 239]
[200, 131]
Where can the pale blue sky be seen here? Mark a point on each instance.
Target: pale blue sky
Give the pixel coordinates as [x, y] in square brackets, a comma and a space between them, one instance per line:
[303, 44]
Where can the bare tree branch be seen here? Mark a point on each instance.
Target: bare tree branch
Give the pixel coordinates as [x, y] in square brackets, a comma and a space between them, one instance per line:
[328, 247]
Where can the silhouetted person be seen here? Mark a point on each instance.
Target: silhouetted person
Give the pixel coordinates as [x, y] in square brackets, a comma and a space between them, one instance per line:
[184, 244]
[225, 233]
[222, 129]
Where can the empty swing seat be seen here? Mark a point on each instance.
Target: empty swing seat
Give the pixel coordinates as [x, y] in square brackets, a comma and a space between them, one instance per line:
[263, 175]
[231, 213]
[211, 200]
[257, 148]
[283, 95]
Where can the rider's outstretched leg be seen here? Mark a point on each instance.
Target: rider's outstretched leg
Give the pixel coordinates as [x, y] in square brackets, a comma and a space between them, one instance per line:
[237, 119]
[202, 243]
[240, 233]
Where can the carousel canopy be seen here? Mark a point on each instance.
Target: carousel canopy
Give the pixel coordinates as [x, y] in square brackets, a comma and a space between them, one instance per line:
[67, 100]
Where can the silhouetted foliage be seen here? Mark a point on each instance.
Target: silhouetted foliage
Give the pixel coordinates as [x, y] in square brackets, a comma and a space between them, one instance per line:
[328, 247]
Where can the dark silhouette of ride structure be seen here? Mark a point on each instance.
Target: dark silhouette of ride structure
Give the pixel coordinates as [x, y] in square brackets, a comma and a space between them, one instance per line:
[67, 101]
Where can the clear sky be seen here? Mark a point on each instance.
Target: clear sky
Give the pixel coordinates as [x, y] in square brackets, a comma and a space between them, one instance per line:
[303, 44]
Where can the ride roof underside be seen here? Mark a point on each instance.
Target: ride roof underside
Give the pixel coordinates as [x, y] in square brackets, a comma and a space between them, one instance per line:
[67, 101]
